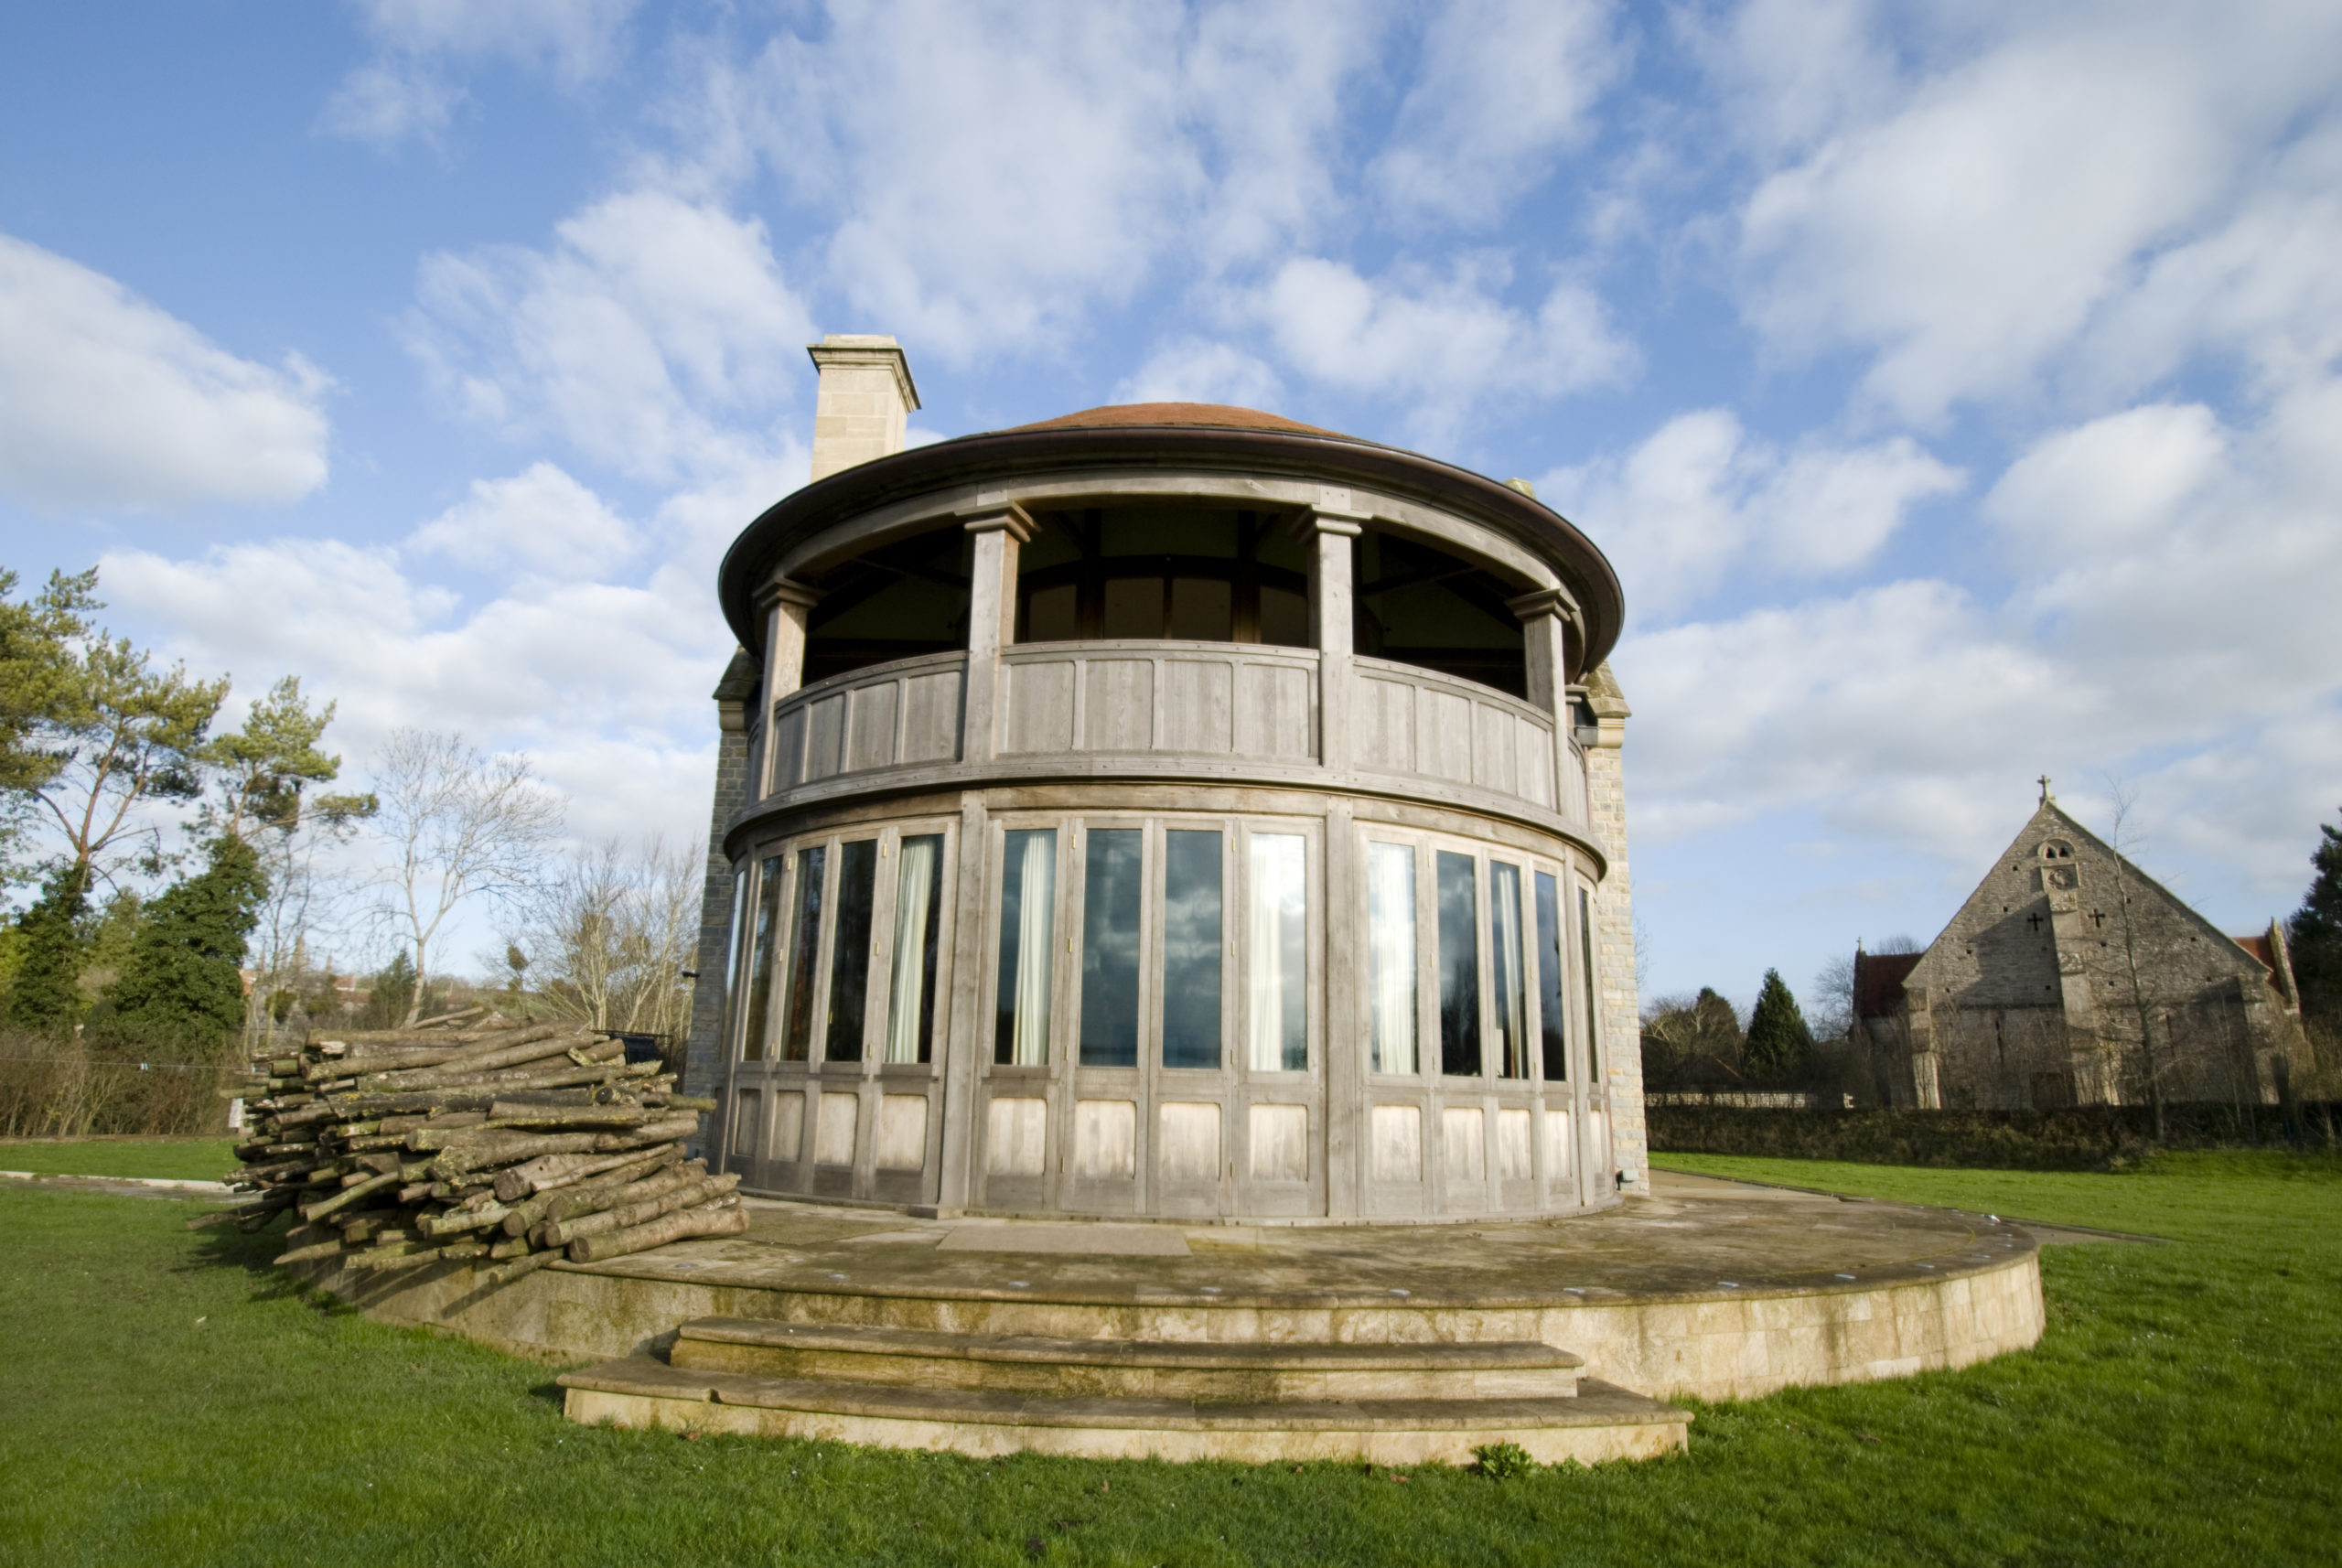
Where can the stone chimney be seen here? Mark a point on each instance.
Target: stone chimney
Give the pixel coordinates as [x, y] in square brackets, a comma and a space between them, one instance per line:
[866, 394]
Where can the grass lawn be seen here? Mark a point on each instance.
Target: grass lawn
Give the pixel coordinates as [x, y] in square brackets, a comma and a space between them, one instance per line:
[170, 1400]
[171, 1159]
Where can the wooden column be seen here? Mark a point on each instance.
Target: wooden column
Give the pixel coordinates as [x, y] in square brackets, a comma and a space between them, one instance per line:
[1328, 530]
[999, 531]
[786, 609]
[1546, 615]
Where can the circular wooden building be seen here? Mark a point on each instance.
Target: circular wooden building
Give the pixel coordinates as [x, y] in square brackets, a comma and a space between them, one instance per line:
[1165, 810]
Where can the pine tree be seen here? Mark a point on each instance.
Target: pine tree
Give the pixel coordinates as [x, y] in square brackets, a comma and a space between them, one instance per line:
[1780, 1045]
[2314, 935]
[182, 975]
[46, 996]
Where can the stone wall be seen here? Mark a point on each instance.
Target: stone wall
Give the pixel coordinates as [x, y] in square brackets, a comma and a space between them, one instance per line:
[1614, 948]
[703, 1053]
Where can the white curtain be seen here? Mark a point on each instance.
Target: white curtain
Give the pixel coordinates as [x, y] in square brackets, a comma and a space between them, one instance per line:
[1391, 942]
[912, 897]
[1036, 929]
[1513, 1007]
[1276, 973]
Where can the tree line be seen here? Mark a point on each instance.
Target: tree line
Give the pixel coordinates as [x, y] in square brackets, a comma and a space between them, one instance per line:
[181, 885]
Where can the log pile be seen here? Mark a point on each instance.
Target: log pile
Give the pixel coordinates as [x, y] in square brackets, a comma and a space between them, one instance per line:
[473, 1137]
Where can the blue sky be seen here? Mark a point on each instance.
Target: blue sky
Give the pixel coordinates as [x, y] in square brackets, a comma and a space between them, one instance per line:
[1954, 386]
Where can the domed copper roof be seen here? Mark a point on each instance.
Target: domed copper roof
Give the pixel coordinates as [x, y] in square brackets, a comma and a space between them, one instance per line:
[1214, 415]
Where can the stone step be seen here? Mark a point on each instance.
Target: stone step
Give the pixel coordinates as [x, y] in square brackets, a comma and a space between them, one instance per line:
[1108, 1369]
[1600, 1422]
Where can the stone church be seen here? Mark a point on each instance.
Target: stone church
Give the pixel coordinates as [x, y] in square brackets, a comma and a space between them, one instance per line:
[2070, 977]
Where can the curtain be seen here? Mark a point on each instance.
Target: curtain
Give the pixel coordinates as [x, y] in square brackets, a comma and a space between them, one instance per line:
[1391, 942]
[1278, 1025]
[915, 886]
[1512, 1007]
[1036, 929]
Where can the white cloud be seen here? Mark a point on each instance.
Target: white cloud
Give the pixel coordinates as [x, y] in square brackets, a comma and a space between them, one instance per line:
[647, 335]
[110, 403]
[405, 90]
[539, 521]
[1445, 345]
[1505, 87]
[2001, 200]
[1196, 369]
[1700, 502]
[2115, 482]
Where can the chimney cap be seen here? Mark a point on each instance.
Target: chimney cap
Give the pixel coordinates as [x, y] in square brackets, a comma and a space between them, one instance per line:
[866, 347]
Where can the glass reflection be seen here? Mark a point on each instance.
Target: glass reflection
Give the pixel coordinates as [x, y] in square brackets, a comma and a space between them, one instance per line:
[1456, 881]
[1549, 979]
[1504, 942]
[1277, 990]
[752, 1040]
[1191, 962]
[918, 924]
[1390, 943]
[1110, 898]
[804, 948]
[850, 949]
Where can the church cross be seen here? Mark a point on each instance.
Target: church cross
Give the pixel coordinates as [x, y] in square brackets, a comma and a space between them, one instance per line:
[2034, 919]
[2045, 796]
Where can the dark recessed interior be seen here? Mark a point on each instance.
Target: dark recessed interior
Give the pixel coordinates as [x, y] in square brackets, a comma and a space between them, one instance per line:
[1170, 570]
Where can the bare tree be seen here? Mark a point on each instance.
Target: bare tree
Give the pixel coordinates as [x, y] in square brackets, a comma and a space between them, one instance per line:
[459, 825]
[608, 936]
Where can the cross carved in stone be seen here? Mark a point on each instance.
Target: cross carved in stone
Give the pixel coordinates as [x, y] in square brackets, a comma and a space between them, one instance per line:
[2034, 919]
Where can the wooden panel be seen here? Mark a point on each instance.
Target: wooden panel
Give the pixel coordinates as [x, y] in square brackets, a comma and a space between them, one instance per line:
[1199, 705]
[1105, 1138]
[748, 1105]
[834, 1134]
[1536, 755]
[1443, 735]
[1187, 1142]
[1040, 707]
[1280, 1143]
[931, 717]
[870, 728]
[1118, 705]
[1017, 1138]
[1463, 1146]
[1397, 1132]
[824, 736]
[788, 742]
[1492, 764]
[788, 1125]
[1514, 1131]
[1276, 711]
[1386, 725]
[1561, 1150]
[901, 1140]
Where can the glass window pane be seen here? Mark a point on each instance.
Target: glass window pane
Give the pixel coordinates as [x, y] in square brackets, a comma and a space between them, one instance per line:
[1278, 985]
[1133, 608]
[850, 949]
[1028, 899]
[1549, 979]
[918, 925]
[1191, 965]
[1504, 943]
[1203, 609]
[804, 951]
[1390, 943]
[1110, 898]
[1284, 618]
[1458, 882]
[1586, 968]
[760, 995]
[1050, 615]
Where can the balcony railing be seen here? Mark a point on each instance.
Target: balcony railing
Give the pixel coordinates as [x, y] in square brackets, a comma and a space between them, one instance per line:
[1190, 705]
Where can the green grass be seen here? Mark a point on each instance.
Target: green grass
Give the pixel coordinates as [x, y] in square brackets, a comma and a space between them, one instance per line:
[172, 1159]
[168, 1399]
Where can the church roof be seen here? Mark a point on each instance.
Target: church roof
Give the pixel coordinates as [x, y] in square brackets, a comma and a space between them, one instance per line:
[1206, 415]
[1878, 980]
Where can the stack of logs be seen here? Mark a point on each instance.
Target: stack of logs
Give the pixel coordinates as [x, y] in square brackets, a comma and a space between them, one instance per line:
[474, 1138]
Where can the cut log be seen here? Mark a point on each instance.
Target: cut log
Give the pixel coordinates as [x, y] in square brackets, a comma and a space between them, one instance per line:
[346, 1197]
[269, 1205]
[511, 1113]
[310, 1254]
[455, 1221]
[636, 1215]
[724, 1219]
[593, 1198]
[547, 1180]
